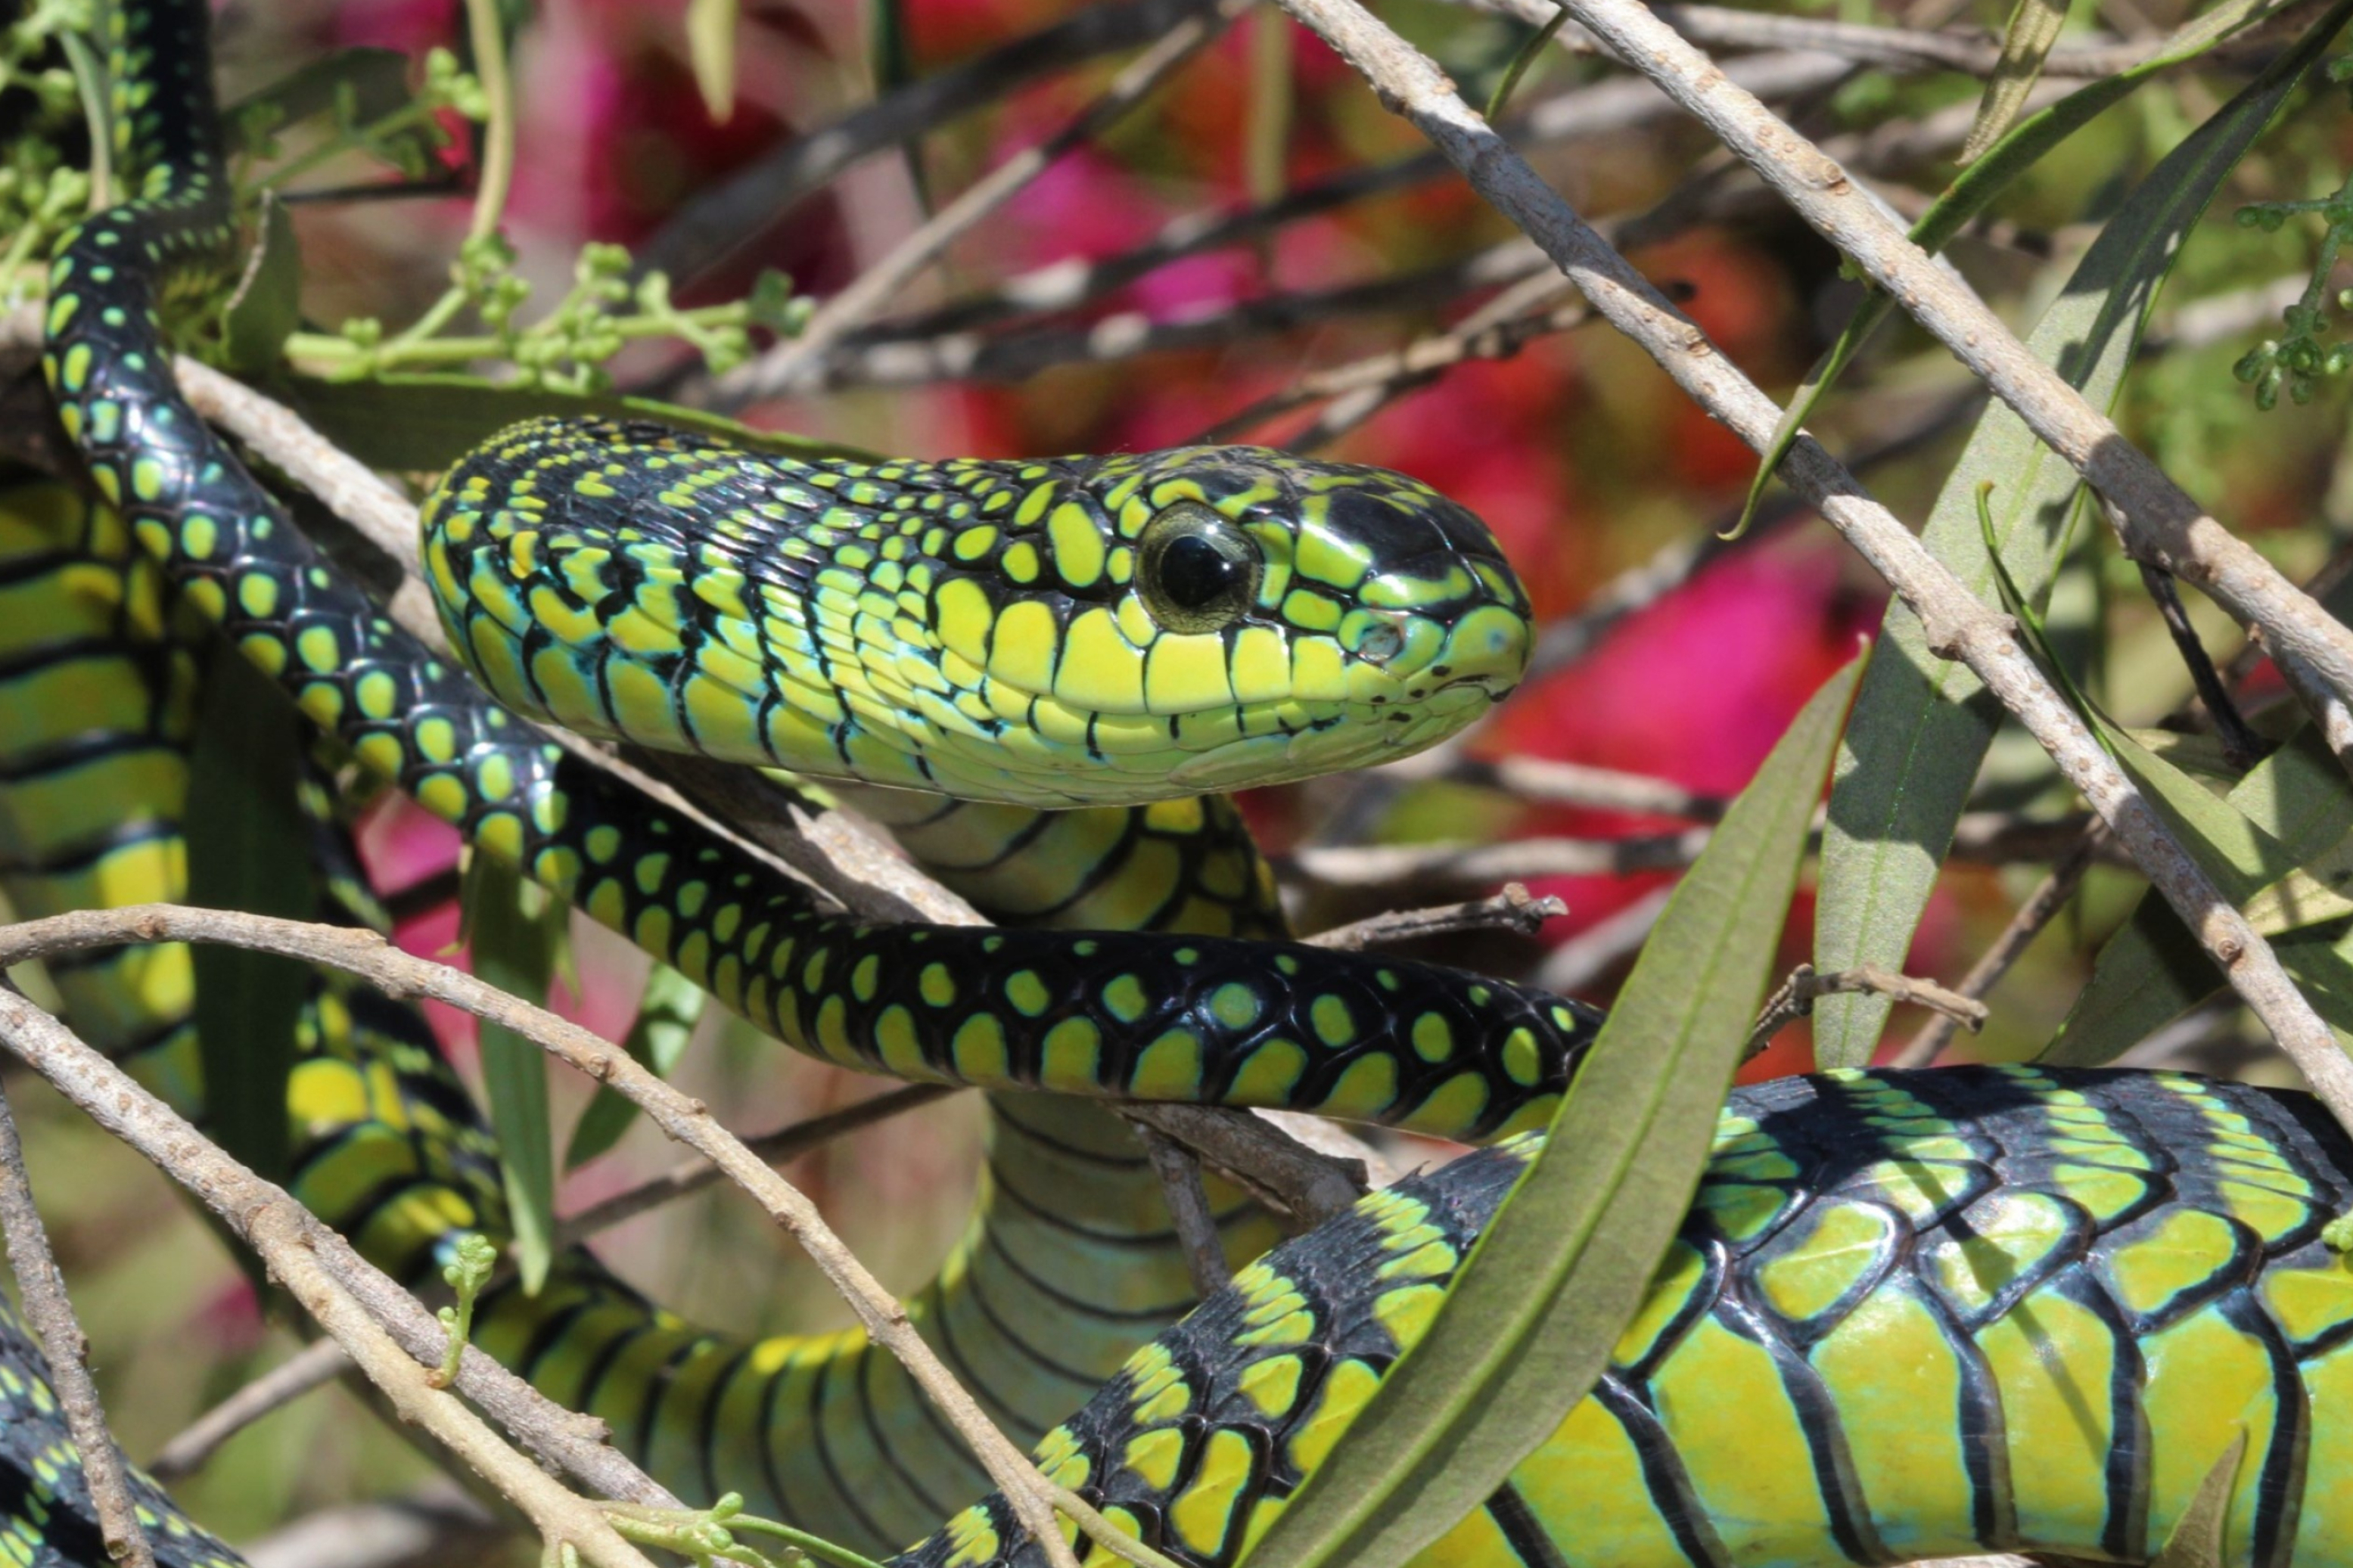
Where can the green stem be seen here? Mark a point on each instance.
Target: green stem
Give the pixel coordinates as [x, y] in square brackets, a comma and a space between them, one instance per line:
[497, 176]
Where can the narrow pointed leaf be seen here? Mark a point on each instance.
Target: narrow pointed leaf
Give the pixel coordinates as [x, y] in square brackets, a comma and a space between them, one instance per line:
[2198, 1536]
[711, 46]
[1531, 1320]
[249, 848]
[1922, 724]
[267, 306]
[2034, 26]
[2018, 150]
[513, 948]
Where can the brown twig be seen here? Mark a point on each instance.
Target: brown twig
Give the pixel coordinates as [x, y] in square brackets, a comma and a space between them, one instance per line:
[1188, 1206]
[879, 283]
[1512, 908]
[313, 1366]
[320, 1269]
[2041, 908]
[48, 1309]
[1362, 387]
[1972, 50]
[707, 228]
[1120, 335]
[1579, 963]
[687, 1120]
[1957, 623]
[1548, 783]
[1994, 838]
[1597, 108]
[1798, 994]
[284, 1234]
[2158, 523]
[1274, 1166]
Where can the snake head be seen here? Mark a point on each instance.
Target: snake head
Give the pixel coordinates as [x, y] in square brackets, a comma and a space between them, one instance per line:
[1276, 617]
[1088, 631]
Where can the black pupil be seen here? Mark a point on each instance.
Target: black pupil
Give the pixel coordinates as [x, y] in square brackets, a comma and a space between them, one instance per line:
[1196, 574]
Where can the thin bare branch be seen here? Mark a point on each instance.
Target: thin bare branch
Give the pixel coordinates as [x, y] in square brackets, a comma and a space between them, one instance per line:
[1123, 335]
[282, 1233]
[1544, 782]
[878, 284]
[318, 1267]
[2041, 908]
[1496, 330]
[687, 1120]
[2158, 523]
[1512, 909]
[707, 228]
[1188, 1206]
[1597, 108]
[313, 1366]
[1957, 623]
[1274, 1167]
[1970, 50]
[48, 1309]
[1406, 869]
[1579, 963]
[1363, 386]
[1798, 994]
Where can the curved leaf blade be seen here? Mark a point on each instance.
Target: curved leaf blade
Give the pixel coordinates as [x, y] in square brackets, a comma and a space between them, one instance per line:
[1986, 176]
[1922, 724]
[1566, 1261]
[247, 840]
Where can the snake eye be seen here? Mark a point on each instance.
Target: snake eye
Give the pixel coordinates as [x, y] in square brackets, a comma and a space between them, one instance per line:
[1196, 570]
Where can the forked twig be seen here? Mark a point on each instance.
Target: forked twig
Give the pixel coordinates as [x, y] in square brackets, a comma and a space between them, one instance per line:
[1798, 994]
[49, 1310]
[1957, 623]
[687, 1120]
[320, 1269]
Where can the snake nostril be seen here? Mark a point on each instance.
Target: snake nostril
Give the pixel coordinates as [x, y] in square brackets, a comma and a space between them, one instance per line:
[1381, 644]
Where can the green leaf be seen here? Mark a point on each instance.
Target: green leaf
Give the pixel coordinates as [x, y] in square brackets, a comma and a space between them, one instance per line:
[1922, 724]
[249, 848]
[267, 305]
[2152, 970]
[1987, 177]
[422, 423]
[711, 46]
[2197, 1538]
[512, 931]
[2034, 26]
[1568, 1259]
[2298, 812]
[91, 86]
[1522, 58]
[667, 1014]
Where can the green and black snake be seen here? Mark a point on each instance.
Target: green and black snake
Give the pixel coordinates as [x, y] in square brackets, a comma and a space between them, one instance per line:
[1909, 1314]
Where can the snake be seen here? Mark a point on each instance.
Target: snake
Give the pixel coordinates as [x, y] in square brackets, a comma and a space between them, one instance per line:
[1908, 1314]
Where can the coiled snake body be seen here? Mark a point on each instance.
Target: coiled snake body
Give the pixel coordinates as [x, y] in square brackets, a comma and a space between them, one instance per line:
[1909, 1315]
